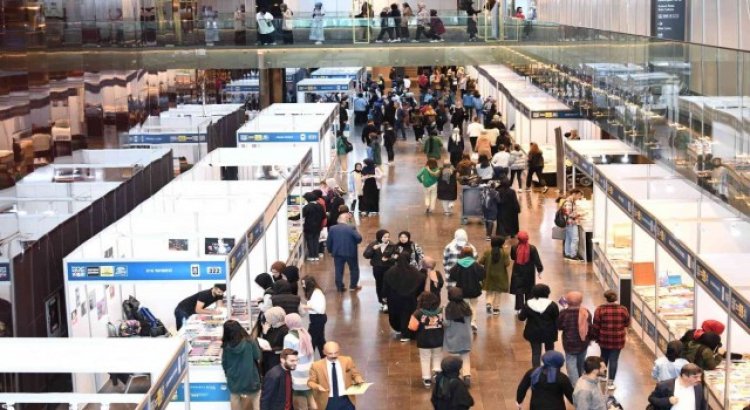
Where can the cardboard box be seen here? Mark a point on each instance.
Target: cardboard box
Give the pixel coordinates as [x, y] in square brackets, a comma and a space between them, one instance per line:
[644, 274]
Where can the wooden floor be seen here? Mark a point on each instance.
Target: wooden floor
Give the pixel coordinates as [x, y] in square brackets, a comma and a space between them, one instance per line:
[500, 355]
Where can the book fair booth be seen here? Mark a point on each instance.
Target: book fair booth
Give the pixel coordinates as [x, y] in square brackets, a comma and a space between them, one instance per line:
[313, 89]
[675, 256]
[163, 362]
[296, 125]
[267, 162]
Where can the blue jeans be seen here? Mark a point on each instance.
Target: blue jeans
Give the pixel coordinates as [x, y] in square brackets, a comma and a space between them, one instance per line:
[610, 358]
[571, 241]
[338, 262]
[574, 364]
[180, 316]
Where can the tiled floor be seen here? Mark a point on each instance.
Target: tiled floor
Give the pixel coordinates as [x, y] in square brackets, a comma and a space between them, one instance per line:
[500, 355]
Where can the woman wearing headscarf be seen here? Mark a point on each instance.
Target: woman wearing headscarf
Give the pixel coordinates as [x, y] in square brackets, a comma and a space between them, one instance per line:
[450, 393]
[548, 385]
[496, 262]
[274, 331]
[526, 267]
[291, 273]
[316, 29]
[299, 339]
[575, 322]
[456, 146]
[334, 200]
[703, 350]
[405, 244]
[356, 185]
[371, 177]
[427, 323]
[265, 282]
[380, 252]
[447, 188]
[508, 209]
[468, 275]
[540, 315]
[709, 325]
[457, 333]
[313, 215]
[402, 284]
[434, 280]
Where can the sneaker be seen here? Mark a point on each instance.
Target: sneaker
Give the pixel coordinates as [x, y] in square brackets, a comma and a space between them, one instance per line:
[384, 308]
[487, 238]
[378, 41]
[310, 259]
[527, 190]
[434, 41]
[427, 383]
[611, 385]
[404, 340]
[318, 42]
[474, 327]
[355, 289]
[441, 40]
[488, 307]
[495, 311]
[544, 191]
[415, 41]
[467, 381]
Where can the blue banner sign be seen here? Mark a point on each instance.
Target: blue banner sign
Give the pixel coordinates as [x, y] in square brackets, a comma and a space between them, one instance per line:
[4, 272]
[650, 329]
[342, 76]
[638, 315]
[323, 87]
[242, 88]
[661, 343]
[182, 138]
[675, 248]
[279, 137]
[237, 255]
[600, 180]
[555, 114]
[255, 233]
[204, 393]
[715, 286]
[113, 270]
[162, 393]
[620, 198]
[644, 219]
[580, 162]
[741, 310]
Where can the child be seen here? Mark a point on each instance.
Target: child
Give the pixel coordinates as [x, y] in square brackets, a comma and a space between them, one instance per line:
[457, 333]
[437, 28]
[428, 325]
[669, 366]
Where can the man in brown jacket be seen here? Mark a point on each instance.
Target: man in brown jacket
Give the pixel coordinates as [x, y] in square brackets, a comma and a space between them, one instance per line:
[331, 376]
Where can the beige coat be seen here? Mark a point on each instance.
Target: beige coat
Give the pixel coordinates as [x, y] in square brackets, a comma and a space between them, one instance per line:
[319, 378]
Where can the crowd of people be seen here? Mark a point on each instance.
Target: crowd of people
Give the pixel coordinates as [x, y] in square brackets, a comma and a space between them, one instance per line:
[409, 283]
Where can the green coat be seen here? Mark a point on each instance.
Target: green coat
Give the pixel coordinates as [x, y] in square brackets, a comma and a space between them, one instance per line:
[433, 147]
[497, 279]
[341, 146]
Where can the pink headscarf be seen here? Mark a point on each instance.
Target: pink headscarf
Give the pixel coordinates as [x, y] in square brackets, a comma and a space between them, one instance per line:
[294, 322]
[574, 301]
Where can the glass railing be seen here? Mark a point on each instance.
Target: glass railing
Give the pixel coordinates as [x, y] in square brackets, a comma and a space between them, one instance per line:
[224, 30]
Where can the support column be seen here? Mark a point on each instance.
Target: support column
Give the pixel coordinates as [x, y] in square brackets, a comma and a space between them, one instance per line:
[272, 83]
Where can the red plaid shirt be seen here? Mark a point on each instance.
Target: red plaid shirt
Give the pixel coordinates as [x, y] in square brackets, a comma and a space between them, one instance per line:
[611, 322]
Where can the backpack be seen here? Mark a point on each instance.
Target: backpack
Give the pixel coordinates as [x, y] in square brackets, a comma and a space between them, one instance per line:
[150, 325]
[130, 308]
[561, 220]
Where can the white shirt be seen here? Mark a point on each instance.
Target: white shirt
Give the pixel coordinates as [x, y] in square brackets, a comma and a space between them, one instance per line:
[474, 129]
[685, 396]
[264, 22]
[501, 159]
[407, 83]
[317, 302]
[339, 377]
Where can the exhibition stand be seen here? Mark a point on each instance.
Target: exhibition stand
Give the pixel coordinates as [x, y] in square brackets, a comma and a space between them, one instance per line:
[311, 89]
[356, 74]
[185, 136]
[239, 91]
[296, 125]
[267, 162]
[162, 361]
[675, 256]
[53, 210]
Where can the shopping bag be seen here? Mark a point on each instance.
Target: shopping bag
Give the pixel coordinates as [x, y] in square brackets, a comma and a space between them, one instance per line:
[594, 350]
[558, 233]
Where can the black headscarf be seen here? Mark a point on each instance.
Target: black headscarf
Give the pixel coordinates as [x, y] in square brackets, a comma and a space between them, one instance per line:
[456, 309]
[369, 167]
[310, 197]
[379, 235]
[711, 340]
[403, 278]
[281, 287]
[291, 273]
[264, 280]
[497, 247]
[408, 244]
[451, 366]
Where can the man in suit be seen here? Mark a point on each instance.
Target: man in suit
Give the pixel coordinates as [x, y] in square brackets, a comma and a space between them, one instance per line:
[684, 392]
[277, 384]
[331, 376]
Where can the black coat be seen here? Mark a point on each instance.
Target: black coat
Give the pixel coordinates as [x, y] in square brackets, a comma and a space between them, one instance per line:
[447, 191]
[508, 209]
[469, 279]
[273, 395]
[659, 398]
[458, 397]
[374, 253]
[545, 395]
[313, 215]
[333, 210]
[540, 327]
[523, 277]
[290, 303]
